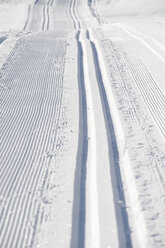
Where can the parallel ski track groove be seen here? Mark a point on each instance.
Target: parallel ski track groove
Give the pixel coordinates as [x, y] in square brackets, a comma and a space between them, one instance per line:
[48, 22]
[132, 114]
[51, 4]
[79, 204]
[78, 219]
[2, 39]
[27, 20]
[46, 15]
[157, 166]
[71, 13]
[44, 18]
[151, 93]
[156, 108]
[121, 213]
[19, 186]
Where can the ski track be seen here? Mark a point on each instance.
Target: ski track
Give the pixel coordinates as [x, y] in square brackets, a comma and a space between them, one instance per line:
[31, 86]
[121, 213]
[137, 117]
[79, 202]
[46, 16]
[78, 236]
[31, 104]
[78, 222]
[151, 93]
[2, 39]
[141, 38]
[93, 9]
[120, 75]
[28, 17]
[148, 88]
[41, 16]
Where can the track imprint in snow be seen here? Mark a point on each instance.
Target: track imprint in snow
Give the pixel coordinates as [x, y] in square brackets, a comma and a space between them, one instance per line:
[132, 85]
[31, 105]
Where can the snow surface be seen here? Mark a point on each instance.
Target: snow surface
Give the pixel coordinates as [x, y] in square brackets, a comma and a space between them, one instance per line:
[12, 16]
[82, 158]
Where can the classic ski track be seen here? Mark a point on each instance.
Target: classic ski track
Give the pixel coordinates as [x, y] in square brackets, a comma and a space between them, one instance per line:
[93, 9]
[79, 201]
[28, 17]
[92, 158]
[36, 1]
[2, 39]
[126, 164]
[44, 18]
[157, 168]
[149, 91]
[46, 15]
[136, 35]
[51, 3]
[12, 224]
[71, 13]
[156, 162]
[23, 204]
[87, 148]
[76, 22]
[147, 88]
[91, 169]
[122, 222]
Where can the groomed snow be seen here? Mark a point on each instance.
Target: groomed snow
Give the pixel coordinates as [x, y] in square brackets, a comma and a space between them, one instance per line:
[82, 132]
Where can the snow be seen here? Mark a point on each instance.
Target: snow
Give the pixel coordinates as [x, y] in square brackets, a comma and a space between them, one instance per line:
[12, 20]
[131, 7]
[13, 16]
[142, 21]
[131, 29]
[82, 127]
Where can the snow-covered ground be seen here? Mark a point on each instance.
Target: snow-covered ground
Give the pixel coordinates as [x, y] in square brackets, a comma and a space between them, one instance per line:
[82, 161]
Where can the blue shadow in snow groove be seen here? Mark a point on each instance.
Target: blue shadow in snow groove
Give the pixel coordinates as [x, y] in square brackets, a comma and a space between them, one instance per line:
[2, 39]
[89, 2]
[117, 185]
[36, 1]
[78, 215]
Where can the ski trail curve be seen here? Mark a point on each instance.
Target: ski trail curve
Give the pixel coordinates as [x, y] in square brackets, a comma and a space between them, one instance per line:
[28, 17]
[2, 39]
[46, 16]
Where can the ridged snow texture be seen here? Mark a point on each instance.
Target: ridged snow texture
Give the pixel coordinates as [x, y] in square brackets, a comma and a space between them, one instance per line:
[31, 86]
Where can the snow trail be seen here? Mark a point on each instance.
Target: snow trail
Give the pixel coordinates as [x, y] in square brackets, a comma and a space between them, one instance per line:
[2, 39]
[87, 223]
[28, 17]
[82, 133]
[79, 204]
[91, 218]
[30, 125]
[136, 35]
[137, 130]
